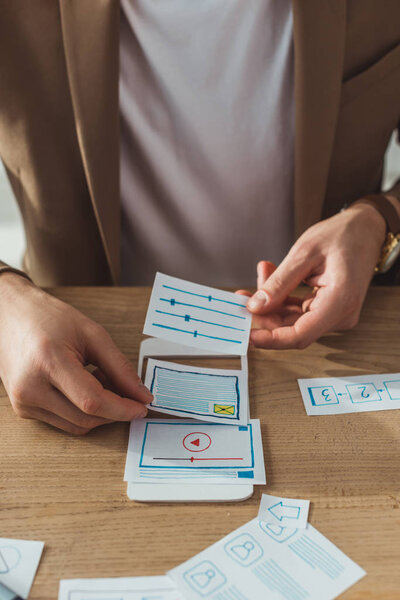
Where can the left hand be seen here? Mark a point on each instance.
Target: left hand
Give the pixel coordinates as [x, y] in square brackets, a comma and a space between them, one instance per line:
[337, 258]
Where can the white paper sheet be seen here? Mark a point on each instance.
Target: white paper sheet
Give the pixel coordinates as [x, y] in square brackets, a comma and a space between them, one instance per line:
[287, 512]
[170, 451]
[125, 588]
[198, 316]
[360, 393]
[213, 395]
[260, 561]
[19, 560]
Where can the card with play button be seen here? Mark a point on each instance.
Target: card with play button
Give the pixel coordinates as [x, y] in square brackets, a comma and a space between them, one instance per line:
[169, 451]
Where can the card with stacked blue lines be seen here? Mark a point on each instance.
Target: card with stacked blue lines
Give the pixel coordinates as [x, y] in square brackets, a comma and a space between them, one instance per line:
[198, 316]
[213, 395]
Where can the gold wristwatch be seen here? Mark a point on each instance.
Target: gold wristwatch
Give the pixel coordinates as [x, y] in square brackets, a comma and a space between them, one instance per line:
[391, 247]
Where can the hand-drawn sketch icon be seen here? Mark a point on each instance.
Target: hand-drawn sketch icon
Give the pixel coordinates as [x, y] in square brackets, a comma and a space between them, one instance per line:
[205, 578]
[224, 409]
[196, 441]
[9, 559]
[284, 511]
[393, 388]
[323, 395]
[244, 549]
[277, 532]
[363, 392]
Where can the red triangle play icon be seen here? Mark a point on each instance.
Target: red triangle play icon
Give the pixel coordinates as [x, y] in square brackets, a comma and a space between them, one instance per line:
[196, 442]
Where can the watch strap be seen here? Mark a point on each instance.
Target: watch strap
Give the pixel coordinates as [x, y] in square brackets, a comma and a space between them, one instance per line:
[385, 207]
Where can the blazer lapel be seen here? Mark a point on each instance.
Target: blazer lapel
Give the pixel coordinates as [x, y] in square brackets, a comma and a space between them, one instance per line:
[90, 30]
[319, 46]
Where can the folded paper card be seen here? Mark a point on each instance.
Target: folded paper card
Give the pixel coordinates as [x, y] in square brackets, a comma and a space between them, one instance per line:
[169, 451]
[288, 512]
[19, 560]
[197, 315]
[124, 588]
[213, 395]
[359, 393]
[260, 561]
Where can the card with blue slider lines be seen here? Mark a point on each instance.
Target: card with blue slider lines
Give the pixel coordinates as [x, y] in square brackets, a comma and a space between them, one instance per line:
[198, 316]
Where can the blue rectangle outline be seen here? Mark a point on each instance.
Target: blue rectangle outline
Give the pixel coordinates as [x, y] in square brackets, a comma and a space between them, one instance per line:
[318, 387]
[387, 389]
[362, 384]
[166, 422]
[189, 412]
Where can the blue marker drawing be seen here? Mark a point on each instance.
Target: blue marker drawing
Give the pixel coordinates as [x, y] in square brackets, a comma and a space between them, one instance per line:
[278, 533]
[205, 578]
[188, 318]
[393, 389]
[244, 549]
[284, 511]
[196, 333]
[363, 392]
[174, 302]
[209, 297]
[323, 395]
[316, 557]
[196, 393]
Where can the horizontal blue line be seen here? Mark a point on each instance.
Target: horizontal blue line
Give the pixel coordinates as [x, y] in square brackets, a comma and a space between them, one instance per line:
[198, 334]
[163, 312]
[172, 301]
[209, 298]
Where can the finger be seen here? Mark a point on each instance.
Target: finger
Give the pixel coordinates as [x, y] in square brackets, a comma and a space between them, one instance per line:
[243, 293]
[45, 416]
[53, 401]
[306, 329]
[102, 352]
[265, 268]
[87, 394]
[281, 283]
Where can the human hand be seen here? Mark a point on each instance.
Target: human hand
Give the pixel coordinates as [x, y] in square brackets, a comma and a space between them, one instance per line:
[337, 258]
[44, 347]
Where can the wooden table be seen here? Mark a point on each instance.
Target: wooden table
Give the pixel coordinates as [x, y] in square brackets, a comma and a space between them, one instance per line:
[70, 493]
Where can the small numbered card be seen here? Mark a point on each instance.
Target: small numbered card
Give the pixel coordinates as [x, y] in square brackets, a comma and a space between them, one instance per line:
[360, 393]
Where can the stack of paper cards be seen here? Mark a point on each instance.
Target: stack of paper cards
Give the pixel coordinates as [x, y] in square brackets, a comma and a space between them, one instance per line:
[264, 560]
[359, 393]
[19, 560]
[219, 445]
[169, 451]
[126, 588]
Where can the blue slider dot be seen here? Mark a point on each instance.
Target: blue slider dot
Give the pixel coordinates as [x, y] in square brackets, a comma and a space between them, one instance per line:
[172, 301]
[195, 333]
[187, 317]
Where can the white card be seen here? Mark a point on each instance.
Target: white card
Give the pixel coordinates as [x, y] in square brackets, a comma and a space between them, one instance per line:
[170, 451]
[19, 561]
[287, 512]
[359, 393]
[197, 315]
[124, 588]
[213, 395]
[261, 561]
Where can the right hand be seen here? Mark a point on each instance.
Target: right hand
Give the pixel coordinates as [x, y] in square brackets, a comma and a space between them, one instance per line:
[45, 345]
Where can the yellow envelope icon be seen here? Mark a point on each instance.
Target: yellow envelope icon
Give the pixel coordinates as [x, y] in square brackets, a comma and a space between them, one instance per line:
[224, 409]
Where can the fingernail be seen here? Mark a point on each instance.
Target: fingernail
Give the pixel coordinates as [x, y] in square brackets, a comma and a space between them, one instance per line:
[143, 413]
[146, 390]
[259, 300]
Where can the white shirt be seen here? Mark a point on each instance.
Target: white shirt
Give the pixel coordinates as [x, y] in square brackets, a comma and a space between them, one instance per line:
[207, 138]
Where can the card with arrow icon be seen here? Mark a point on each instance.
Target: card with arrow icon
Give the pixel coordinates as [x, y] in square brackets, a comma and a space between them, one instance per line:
[284, 512]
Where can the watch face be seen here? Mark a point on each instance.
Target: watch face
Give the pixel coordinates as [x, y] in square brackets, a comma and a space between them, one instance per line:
[391, 258]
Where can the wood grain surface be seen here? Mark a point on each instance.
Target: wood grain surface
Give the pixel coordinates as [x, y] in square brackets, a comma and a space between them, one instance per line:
[70, 493]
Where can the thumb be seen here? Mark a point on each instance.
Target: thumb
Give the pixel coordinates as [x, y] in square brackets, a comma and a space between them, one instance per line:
[279, 285]
[102, 352]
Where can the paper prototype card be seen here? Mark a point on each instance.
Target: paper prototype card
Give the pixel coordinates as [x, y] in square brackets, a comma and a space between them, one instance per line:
[260, 560]
[212, 395]
[170, 451]
[122, 588]
[19, 561]
[197, 315]
[288, 512]
[359, 393]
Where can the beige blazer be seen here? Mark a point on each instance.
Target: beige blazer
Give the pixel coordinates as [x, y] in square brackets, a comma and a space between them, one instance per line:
[59, 121]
